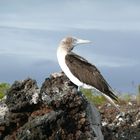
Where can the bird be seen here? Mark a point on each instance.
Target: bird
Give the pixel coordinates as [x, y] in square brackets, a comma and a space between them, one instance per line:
[81, 72]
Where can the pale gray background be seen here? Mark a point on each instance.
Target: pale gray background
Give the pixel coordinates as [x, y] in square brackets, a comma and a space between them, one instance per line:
[30, 31]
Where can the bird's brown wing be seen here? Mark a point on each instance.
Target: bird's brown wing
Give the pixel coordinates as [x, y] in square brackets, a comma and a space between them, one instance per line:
[88, 73]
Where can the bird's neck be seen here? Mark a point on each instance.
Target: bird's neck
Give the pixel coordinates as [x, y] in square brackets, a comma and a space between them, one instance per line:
[61, 53]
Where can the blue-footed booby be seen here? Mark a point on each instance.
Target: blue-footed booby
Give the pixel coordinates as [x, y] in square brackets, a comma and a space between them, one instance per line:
[80, 71]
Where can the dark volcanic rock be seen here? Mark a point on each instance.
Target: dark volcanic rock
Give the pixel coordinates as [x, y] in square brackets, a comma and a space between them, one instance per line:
[23, 96]
[59, 93]
[124, 126]
[55, 112]
[42, 127]
[22, 99]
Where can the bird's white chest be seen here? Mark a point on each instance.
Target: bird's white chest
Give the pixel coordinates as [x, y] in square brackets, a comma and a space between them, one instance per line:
[61, 60]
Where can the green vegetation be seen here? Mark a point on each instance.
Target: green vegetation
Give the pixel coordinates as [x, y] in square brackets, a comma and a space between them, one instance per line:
[126, 97]
[3, 89]
[94, 98]
[138, 96]
[98, 99]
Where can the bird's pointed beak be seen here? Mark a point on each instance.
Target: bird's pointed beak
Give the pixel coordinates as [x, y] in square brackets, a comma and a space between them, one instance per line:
[81, 41]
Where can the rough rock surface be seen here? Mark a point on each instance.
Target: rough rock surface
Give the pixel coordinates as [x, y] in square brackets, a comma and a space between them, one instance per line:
[23, 96]
[57, 111]
[121, 126]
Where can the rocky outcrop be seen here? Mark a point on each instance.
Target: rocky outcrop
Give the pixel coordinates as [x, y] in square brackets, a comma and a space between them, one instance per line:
[56, 111]
[121, 126]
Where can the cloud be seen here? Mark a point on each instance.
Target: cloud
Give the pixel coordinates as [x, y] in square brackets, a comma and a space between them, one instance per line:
[123, 79]
[64, 14]
[30, 32]
[18, 68]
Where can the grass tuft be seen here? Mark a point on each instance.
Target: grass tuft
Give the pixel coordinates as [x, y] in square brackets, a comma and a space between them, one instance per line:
[94, 98]
[3, 89]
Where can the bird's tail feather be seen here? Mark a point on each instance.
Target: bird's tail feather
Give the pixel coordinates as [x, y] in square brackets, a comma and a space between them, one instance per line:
[111, 101]
[110, 97]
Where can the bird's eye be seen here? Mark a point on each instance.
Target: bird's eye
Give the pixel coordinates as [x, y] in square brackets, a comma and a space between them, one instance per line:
[74, 40]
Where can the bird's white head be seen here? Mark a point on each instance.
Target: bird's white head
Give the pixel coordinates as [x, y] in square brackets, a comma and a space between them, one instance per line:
[69, 43]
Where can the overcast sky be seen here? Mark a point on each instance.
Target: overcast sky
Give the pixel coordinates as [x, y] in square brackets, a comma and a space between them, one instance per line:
[30, 32]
